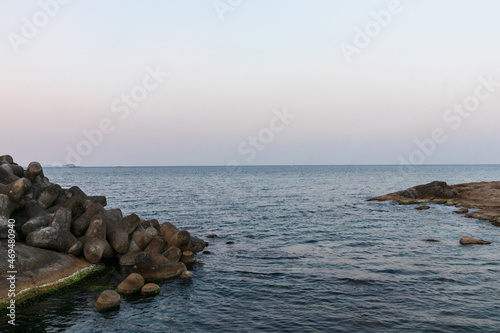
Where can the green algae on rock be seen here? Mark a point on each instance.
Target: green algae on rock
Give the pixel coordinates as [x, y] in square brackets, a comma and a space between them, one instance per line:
[42, 272]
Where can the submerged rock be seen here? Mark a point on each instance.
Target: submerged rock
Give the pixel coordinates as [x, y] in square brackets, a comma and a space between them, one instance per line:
[469, 240]
[150, 289]
[187, 275]
[423, 208]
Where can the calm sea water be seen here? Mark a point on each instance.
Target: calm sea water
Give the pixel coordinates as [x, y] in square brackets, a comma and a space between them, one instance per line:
[309, 254]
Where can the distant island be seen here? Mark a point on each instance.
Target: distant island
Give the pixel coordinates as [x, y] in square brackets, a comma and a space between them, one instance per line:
[68, 166]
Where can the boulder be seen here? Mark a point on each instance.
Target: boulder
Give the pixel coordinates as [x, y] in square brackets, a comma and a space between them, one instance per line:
[37, 223]
[151, 223]
[6, 209]
[188, 257]
[128, 259]
[187, 275]
[151, 270]
[131, 285]
[6, 159]
[181, 238]
[150, 289]
[156, 246]
[95, 240]
[33, 172]
[118, 231]
[33, 209]
[109, 300]
[160, 259]
[142, 238]
[173, 254]
[56, 235]
[6, 177]
[81, 224]
[48, 195]
[16, 190]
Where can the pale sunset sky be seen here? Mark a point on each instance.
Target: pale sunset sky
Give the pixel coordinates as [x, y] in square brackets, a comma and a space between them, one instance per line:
[252, 82]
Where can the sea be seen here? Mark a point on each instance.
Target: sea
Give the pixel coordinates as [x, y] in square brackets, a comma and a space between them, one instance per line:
[306, 253]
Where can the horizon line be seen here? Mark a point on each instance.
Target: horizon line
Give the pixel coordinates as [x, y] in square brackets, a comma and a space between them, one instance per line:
[266, 165]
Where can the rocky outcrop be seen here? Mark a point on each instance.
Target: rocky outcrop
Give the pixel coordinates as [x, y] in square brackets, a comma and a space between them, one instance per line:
[483, 196]
[61, 232]
[421, 193]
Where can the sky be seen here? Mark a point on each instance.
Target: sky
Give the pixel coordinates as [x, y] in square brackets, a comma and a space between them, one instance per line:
[240, 82]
